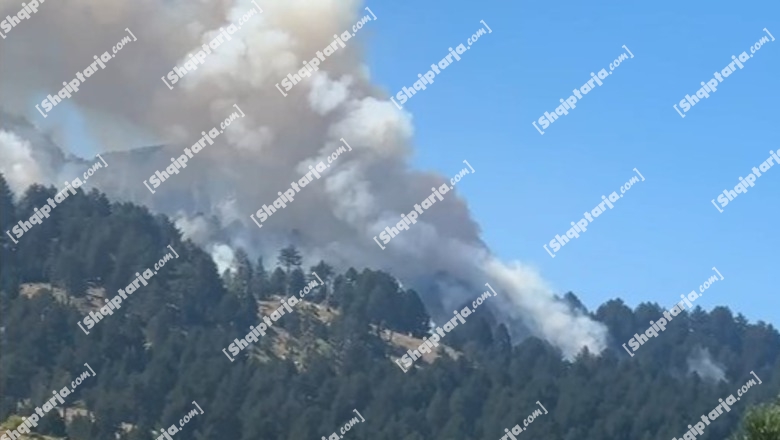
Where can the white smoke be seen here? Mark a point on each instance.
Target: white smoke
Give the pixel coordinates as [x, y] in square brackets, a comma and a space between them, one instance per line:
[700, 362]
[18, 166]
[333, 218]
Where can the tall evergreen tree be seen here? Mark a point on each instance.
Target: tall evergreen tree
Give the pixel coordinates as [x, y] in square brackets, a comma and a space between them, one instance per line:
[289, 257]
[260, 280]
[297, 282]
[7, 208]
[325, 272]
[242, 278]
[8, 268]
[278, 283]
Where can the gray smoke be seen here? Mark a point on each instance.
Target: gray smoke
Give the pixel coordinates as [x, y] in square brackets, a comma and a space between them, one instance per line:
[333, 218]
[700, 362]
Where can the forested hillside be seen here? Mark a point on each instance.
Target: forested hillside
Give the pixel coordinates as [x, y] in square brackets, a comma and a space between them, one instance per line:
[162, 349]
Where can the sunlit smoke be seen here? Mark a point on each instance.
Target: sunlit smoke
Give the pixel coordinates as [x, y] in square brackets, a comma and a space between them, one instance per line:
[211, 200]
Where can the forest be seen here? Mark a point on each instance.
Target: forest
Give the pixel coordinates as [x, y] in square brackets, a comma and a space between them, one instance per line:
[335, 354]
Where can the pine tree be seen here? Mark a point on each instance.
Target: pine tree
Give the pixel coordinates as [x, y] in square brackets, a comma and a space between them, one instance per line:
[8, 277]
[289, 257]
[242, 279]
[297, 282]
[278, 283]
[260, 280]
[7, 208]
[325, 272]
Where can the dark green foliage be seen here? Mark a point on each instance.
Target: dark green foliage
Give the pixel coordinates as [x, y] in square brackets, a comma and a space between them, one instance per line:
[260, 280]
[81, 429]
[289, 257]
[7, 208]
[51, 424]
[761, 422]
[162, 350]
[297, 281]
[241, 281]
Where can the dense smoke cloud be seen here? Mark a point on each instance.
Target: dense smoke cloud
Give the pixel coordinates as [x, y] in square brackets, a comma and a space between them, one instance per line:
[333, 218]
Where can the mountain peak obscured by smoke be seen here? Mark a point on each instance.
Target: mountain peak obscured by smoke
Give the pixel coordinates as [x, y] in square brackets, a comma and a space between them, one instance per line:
[333, 218]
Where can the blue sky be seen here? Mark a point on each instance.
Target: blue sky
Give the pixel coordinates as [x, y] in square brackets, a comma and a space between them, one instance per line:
[663, 238]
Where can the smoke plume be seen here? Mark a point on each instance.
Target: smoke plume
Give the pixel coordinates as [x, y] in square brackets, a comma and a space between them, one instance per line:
[334, 218]
[700, 362]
